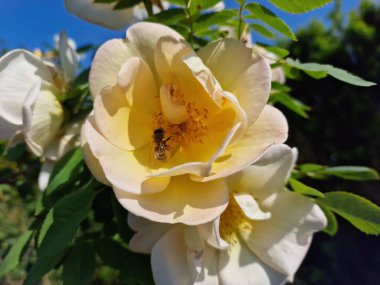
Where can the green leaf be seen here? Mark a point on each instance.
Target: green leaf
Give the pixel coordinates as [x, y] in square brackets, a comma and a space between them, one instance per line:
[291, 103]
[322, 70]
[134, 268]
[303, 189]
[43, 266]
[332, 224]
[64, 173]
[299, 6]
[48, 221]
[199, 5]
[79, 265]
[15, 254]
[280, 52]
[125, 4]
[68, 213]
[360, 212]
[358, 173]
[261, 13]
[261, 30]
[311, 167]
[168, 17]
[206, 21]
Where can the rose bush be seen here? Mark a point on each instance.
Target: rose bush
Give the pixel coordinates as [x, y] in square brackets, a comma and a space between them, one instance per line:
[30, 110]
[209, 107]
[261, 238]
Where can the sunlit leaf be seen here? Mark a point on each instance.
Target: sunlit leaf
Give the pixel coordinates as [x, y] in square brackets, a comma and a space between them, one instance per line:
[360, 212]
[206, 21]
[358, 173]
[261, 30]
[68, 213]
[303, 189]
[291, 103]
[64, 173]
[299, 6]
[322, 70]
[332, 223]
[280, 52]
[311, 167]
[263, 14]
[199, 5]
[168, 17]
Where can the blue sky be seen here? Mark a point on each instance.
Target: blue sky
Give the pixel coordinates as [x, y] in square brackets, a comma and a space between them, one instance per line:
[32, 23]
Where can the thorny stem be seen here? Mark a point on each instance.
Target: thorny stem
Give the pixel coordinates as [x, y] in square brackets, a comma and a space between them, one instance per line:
[148, 7]
[240, 20]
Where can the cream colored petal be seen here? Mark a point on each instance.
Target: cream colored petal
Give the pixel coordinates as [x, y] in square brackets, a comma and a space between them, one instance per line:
[102, 14]
[267, 175]
[106, 64]
[19, 71]
[210, 268]
[169, 260]
[42, 118]
[8, 130]
[143, 37]
[43, 177]
[210, 233]
[174, 112]
[148, 233]
[239, 265]
[183, 201]
[177, 63]
[240, 72]
[68, 57]
[250, 207]
[124, 113]
[92, 162]
[121, 167]
[270, 128]
[283, 241]
[63, 143]
[278, 75]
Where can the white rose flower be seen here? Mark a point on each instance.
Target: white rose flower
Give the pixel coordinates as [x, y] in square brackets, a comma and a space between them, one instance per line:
[30, 110]
[261, 238]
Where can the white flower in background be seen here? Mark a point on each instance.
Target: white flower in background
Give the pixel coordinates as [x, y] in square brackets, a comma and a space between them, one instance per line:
[261, 238]
[30, 111]
[104, 14]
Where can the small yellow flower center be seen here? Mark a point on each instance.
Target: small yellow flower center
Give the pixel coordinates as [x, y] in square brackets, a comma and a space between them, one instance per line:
[232, 221]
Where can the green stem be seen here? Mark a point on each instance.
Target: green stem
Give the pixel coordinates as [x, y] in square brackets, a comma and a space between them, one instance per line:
[240, 20]
[190, 19]
[149, 7]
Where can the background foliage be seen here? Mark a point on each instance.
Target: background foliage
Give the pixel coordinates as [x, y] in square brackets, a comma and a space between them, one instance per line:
[343, 129]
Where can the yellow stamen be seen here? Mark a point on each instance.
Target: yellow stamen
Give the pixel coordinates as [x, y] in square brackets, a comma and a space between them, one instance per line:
[232, 221]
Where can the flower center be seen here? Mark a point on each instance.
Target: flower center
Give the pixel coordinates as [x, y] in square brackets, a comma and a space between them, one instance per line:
[183, 122]
[232, 221]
